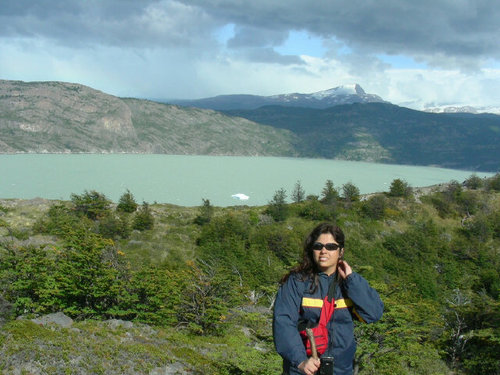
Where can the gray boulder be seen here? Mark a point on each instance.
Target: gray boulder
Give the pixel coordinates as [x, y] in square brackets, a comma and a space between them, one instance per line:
[57, 318]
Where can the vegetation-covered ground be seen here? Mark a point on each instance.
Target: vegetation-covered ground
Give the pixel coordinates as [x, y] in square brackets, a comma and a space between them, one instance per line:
[155, 289]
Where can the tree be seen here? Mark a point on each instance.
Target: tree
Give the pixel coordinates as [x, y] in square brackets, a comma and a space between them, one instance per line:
[92, 204]
[329, 195]
[206, 213]
[298, 194]
[127, 203]
[278, 208]
[144, 219]
[400, 188]
[350, 192]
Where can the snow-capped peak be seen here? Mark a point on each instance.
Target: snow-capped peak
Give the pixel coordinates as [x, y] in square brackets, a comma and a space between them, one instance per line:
[353, 89]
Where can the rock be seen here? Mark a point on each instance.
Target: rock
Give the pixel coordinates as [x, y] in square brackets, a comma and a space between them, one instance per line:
[172, 369]
[115, 323]
[58, 318]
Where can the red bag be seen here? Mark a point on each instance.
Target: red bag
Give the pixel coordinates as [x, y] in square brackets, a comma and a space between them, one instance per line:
[320, 331]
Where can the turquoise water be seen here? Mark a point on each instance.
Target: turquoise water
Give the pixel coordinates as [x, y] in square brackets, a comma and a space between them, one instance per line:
[185, 180]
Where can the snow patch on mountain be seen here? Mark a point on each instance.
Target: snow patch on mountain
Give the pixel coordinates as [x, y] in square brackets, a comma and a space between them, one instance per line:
[463, 109]
[340, 90]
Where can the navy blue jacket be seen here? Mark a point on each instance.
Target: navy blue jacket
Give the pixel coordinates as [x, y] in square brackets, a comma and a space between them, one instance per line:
[354, 298]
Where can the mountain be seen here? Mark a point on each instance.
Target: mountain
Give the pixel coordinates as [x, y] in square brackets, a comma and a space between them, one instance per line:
[57, 117]
[383, 132]
[66, 117]
[347, 94]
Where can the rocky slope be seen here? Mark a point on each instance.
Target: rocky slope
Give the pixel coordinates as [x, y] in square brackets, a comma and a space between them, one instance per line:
[65, 117]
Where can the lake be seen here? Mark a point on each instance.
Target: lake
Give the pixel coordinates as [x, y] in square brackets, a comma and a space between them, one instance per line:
[185, 180]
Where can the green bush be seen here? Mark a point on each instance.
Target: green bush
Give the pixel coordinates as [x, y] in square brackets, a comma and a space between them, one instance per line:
[92, 204]
[375, 207]
[143, 219]
[206, 213]
[127, 203]
[153, 295]
[59, 220]
[400, 188]
[493, 183]
[113, 226]
[312, 209]
[474, 182]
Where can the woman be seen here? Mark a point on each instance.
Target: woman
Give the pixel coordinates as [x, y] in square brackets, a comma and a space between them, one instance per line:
[301, 298]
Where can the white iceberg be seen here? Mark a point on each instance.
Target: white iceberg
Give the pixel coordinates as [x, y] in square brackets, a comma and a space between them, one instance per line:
[240, 196]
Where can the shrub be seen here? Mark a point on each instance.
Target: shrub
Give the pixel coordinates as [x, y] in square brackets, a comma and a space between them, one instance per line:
[153, 296]
[143, 219]
[312, 209]
[112, 226]
[279, 240]
[58, 220]
[375, 206]
[473, 182]
[92, 204]
[127, 203]
[206, 297]
[400, 188]
[206, 213]
[494, 182]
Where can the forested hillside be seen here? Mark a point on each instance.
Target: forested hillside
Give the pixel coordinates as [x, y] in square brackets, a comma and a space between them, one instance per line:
[383, 132]
[153, 286]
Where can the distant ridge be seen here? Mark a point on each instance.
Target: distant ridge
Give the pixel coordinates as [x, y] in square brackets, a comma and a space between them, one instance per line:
[383, 132]
[57, 117]
[346, 94]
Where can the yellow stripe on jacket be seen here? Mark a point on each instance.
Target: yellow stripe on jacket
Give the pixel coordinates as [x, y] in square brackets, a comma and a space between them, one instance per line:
[318, 303]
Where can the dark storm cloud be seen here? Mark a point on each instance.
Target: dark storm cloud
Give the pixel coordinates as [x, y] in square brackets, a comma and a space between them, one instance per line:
[268, 55]
[425, 29]
[435, 31]
[119, 23]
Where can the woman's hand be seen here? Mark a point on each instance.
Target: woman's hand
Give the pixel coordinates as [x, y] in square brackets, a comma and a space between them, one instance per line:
[309, 366]
[344, 269]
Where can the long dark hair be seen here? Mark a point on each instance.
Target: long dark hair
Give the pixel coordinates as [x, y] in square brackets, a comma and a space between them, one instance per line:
[308, 269]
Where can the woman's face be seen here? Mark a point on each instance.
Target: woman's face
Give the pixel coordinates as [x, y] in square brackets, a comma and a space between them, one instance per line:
[327, 259]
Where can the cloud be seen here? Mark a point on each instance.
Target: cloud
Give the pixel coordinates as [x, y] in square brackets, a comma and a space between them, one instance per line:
[413, 52]
[117, 23]
[458, 30]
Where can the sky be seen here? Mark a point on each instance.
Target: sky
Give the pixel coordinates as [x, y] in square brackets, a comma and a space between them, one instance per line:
[412, 53]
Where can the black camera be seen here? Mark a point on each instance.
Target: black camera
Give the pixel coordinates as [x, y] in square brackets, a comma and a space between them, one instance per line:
[326, 367]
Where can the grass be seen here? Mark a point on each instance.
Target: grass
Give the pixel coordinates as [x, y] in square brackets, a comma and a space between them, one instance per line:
[104, 348]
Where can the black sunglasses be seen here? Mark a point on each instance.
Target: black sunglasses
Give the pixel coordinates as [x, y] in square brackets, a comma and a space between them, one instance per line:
[328, 246]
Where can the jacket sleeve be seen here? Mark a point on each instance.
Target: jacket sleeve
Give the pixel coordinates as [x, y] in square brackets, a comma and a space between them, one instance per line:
[367, 302]
[286, 315]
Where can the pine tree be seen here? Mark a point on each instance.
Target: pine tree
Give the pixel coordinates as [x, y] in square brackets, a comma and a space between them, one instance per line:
[298, 194]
